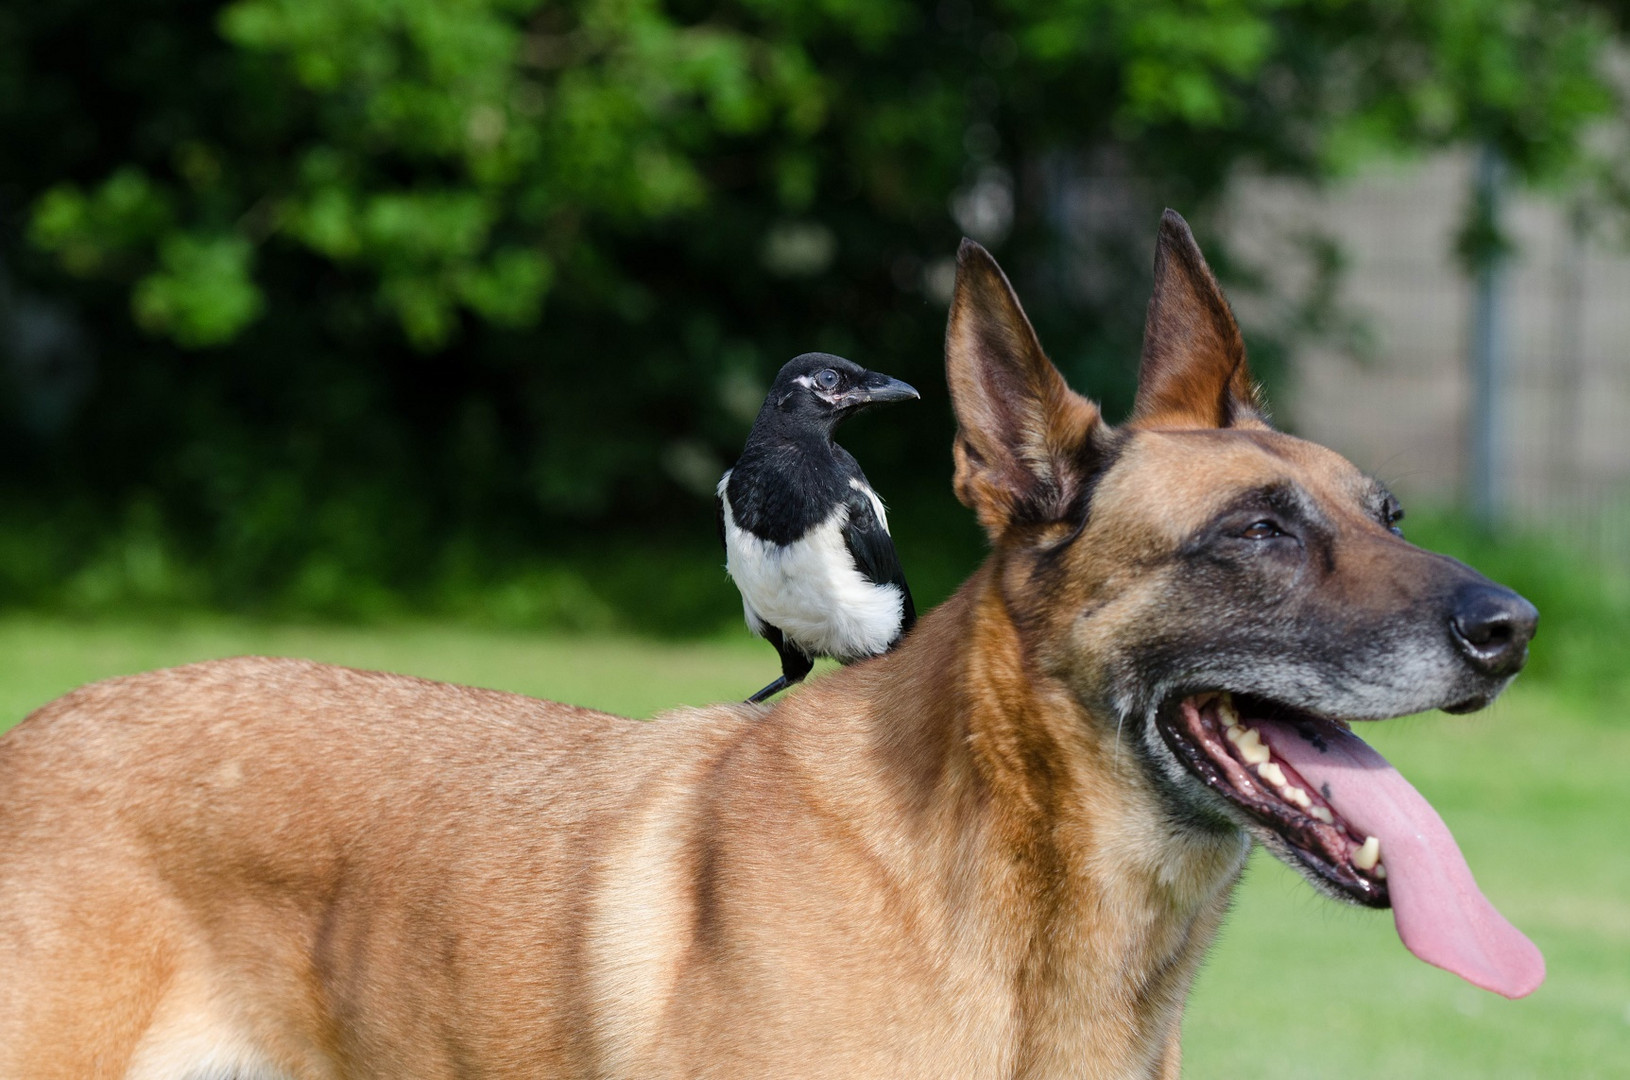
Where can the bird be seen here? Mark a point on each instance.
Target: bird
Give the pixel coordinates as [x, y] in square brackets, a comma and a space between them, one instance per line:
[806, 538]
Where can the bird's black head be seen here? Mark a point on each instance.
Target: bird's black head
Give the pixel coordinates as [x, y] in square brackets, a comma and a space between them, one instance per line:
[817, 390]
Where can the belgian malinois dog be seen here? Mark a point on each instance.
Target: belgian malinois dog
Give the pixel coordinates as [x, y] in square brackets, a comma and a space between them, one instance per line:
[1000, 850]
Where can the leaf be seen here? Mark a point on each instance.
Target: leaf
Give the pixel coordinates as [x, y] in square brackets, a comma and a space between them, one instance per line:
[202, 294]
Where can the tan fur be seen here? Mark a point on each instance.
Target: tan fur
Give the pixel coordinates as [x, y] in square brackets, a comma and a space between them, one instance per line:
[1194, 372]
[944, 862]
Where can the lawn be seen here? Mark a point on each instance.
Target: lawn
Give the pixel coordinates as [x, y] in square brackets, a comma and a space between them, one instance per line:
[1298, 986]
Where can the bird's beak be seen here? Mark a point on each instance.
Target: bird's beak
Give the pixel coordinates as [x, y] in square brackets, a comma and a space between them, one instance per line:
[875, 387]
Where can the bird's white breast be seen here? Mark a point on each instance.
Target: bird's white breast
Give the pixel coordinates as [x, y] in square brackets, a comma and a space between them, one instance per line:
[811, 589]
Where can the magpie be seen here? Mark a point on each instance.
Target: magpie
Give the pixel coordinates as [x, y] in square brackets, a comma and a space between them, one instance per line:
[806, 539]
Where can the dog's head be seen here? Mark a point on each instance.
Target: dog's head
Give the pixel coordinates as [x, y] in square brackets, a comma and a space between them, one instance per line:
[1229, 598]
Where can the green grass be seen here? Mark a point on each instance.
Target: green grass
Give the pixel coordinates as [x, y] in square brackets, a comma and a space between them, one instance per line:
[1535, 789]
[41, 658]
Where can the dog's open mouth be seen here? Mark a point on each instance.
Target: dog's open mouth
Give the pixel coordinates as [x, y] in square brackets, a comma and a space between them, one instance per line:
[1211, 736]
[1353, 822]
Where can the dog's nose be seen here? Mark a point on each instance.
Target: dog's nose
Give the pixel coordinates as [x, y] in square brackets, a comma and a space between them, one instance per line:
[1493, 626]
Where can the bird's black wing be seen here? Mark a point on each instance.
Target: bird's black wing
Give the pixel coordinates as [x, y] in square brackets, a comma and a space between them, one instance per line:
[718, 517]
[873, 550]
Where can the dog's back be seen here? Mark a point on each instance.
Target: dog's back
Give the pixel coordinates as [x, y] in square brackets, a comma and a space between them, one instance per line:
[366, 874]
[261, 839]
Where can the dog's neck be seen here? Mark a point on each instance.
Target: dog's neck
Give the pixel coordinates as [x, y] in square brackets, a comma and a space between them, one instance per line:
[1052, 852]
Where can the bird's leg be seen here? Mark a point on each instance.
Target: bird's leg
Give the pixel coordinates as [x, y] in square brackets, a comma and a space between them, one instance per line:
[794, 665]
[774, 688]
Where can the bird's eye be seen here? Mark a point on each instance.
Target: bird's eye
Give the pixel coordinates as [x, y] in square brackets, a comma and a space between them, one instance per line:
[1262, 530]
[827, 380]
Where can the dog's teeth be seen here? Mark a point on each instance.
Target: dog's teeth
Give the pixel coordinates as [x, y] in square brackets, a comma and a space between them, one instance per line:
[1226, 711]
[1379, 873]
[1322, 813]
[1368, 854]
[1296, 795]
[1251, 748]
[1232, 734]
[1272, 773]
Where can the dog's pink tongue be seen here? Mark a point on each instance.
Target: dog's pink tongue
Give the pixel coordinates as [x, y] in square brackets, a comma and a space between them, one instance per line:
[1441, 915]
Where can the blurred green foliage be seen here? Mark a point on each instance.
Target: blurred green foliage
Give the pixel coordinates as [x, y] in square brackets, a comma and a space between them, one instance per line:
[341, 306]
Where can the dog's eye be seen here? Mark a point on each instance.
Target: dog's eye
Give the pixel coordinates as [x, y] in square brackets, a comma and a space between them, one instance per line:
[827, 379]
[1262, 530]
[1391, 515]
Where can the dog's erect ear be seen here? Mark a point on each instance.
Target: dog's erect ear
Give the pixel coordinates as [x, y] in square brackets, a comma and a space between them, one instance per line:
[1194, 372]
[1024, 443]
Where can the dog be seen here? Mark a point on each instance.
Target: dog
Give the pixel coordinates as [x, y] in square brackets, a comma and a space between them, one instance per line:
[999, 850]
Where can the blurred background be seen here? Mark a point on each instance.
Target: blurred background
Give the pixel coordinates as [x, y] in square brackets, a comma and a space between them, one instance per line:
[416, 333]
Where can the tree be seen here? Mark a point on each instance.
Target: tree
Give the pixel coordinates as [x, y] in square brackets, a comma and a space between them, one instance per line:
[367, 276]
